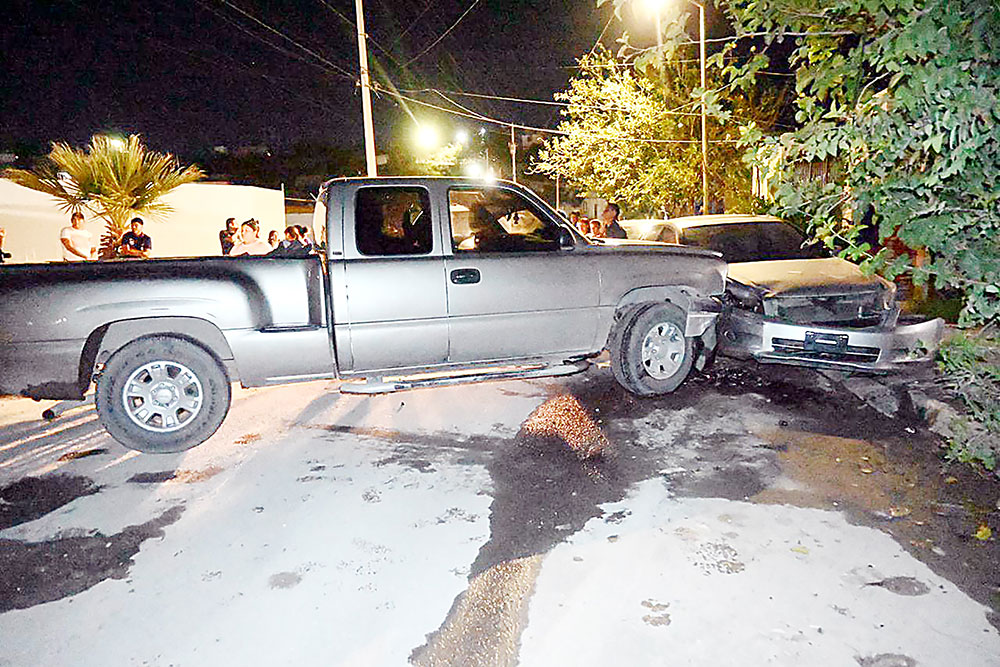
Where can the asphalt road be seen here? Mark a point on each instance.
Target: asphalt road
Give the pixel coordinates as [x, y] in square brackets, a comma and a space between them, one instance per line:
[755, 516]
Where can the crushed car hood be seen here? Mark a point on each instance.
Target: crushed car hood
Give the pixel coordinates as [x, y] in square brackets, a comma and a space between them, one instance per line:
[814, 276]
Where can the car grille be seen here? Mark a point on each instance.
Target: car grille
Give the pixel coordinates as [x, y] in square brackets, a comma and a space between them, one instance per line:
[851, 353]
[858, 310]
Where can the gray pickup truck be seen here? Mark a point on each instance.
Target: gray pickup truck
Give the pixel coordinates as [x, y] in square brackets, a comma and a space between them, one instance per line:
[421, 281]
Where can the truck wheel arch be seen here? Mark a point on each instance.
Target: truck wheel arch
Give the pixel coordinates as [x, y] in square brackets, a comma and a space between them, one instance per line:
[112, 337]
[678, 295]
[698, 326]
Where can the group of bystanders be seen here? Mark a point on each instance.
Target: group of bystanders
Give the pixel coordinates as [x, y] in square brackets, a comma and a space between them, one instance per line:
[245, 240]
[604, 227]
[79, 244]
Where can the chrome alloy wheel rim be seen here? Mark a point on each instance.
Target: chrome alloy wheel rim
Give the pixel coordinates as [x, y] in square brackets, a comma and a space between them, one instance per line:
[663, 350]
[162, 396]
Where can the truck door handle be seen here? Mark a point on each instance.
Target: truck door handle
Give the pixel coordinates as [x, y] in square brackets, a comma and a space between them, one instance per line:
[465, 276]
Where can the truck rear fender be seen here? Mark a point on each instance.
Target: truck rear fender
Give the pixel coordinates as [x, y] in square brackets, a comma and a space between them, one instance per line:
[110, 338]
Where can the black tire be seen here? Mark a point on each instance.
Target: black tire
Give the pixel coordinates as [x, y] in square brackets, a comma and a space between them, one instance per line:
[651, 373]
[162, 394]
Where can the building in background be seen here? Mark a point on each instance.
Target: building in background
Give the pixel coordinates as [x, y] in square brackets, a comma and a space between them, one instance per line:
[33, 219]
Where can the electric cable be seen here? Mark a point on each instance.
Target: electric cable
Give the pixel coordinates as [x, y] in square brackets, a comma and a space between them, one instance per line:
[545, 130]
[443, 35]
[331, 65]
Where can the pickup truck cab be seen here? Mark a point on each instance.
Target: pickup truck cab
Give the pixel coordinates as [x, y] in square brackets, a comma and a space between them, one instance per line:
[421, 281]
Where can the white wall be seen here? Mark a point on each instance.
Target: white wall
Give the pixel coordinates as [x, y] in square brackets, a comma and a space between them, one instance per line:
[33, 219]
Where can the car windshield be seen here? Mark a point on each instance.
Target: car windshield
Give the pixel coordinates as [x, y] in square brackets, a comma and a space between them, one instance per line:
[644, 231]
[751, 241]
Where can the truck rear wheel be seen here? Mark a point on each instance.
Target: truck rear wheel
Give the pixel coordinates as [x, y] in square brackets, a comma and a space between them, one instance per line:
[162, 394]
[650, 354]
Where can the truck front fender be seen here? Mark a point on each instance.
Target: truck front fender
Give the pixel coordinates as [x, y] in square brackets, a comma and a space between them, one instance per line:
[701, 311]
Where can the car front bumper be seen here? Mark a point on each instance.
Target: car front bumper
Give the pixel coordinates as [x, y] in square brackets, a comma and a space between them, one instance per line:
[745, 335]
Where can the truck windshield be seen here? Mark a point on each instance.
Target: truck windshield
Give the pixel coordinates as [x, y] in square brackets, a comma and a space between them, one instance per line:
[751, 241]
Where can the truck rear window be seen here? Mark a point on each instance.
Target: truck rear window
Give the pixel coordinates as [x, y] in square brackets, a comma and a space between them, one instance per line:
[393, 221]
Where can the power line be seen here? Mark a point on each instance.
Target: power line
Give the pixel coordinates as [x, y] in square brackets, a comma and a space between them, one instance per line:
[443, 35]
[601, 36]
[415, 21]
[333, 66]
[733, 38]
[276, 47]
[166, 46]
[545, 130]
[351, 23]
[520, 100]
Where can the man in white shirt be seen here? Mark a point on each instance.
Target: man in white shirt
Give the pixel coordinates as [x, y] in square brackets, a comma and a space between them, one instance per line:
[77, 243]
[249, 242]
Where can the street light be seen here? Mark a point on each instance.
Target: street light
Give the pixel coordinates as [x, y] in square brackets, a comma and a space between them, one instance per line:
[426, 136]
[655, 6]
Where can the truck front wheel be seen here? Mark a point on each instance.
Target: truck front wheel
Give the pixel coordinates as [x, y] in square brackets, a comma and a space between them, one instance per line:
[162, 394]
[650, 354]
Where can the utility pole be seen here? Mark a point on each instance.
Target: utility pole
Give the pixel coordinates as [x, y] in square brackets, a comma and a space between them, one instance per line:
[704, 132]
[366, 91]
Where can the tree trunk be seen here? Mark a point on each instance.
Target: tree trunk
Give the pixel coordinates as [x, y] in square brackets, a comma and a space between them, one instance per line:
[113, 230]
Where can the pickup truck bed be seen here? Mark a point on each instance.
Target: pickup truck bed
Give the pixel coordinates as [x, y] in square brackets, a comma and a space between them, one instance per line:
[264, 319]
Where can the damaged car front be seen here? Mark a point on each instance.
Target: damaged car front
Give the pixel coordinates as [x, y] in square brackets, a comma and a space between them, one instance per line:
[786, 303]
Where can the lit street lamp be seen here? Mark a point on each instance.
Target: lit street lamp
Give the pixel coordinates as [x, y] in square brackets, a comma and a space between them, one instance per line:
[655, 6]
[426, 136]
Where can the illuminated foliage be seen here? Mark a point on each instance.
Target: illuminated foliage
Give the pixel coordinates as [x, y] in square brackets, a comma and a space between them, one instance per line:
[901, 96]
[632, 134]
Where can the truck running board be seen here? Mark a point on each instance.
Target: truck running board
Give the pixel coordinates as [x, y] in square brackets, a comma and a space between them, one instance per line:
[382, 386]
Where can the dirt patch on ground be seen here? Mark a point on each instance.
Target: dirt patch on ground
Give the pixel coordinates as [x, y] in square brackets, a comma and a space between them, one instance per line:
[30, 498]
[819, 446]
[176, 476]
[484, 625]
[553, 478]
[33, 573]
[772, 434]
[883, 472]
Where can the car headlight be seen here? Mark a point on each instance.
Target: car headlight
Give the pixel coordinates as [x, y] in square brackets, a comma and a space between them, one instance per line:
[741, 296]
[888, 293]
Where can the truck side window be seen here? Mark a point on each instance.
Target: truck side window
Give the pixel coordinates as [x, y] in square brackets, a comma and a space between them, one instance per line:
[497, 220]
[393, 221]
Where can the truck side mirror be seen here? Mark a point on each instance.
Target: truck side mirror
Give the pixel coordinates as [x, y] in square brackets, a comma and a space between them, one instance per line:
[565, 238]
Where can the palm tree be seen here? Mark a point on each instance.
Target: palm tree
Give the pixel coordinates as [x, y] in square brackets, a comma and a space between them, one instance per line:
[114, 179]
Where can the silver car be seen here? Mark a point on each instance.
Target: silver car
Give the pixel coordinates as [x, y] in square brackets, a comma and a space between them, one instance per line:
[787, 303]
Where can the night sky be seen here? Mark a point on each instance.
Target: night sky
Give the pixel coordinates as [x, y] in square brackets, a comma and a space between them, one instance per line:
[192, 74]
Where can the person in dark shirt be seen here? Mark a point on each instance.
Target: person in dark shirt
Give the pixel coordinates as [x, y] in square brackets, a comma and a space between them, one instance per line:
[227, 236]
[135, 243]
[291, 246]
[303, 232]
[609, 218]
